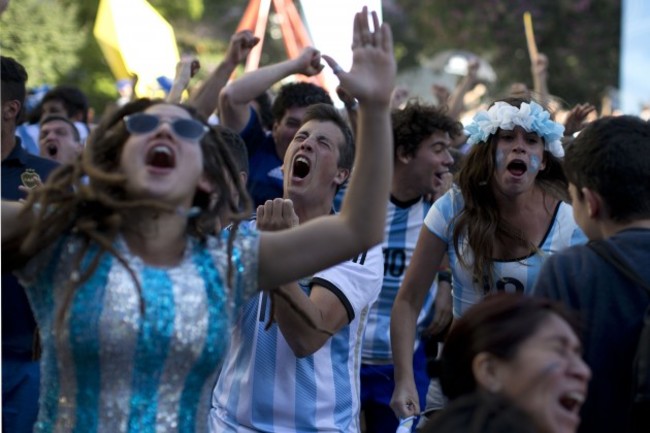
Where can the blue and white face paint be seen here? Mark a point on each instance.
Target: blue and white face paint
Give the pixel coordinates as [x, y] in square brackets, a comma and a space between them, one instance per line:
[535, 163]
[500, 159]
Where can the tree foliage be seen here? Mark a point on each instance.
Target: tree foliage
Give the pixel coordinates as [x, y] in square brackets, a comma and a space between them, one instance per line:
[580, 38]
[53, 39]
[44, 36]
[192, 9]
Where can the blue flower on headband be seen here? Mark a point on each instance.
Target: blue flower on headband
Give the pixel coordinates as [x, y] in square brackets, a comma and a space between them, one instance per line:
[532, 117]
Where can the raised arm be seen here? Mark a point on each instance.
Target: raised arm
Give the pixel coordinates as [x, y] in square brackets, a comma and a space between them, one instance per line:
[185, 70]
[360, 224]
[206, 98]
[539, 68]
[419, 276]
[467, 83]
[235, 98]
[322, 308]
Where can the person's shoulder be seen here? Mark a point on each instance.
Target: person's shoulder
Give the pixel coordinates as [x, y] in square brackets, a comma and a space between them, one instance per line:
[571, 256]
[39, 163]
[564, 210]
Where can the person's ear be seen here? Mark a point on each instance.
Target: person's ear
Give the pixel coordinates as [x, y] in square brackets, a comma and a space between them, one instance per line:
[485, 368]
[11, 109]
[341, 176]
[594, 203]
[243, 177]
[206, 185]
[403, 156]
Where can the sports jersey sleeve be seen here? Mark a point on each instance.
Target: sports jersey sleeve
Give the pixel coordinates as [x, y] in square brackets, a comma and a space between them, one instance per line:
[440, 216]
[355, 282]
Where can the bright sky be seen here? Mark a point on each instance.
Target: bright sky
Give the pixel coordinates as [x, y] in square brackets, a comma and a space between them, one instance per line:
[635, 55]
[334, 40]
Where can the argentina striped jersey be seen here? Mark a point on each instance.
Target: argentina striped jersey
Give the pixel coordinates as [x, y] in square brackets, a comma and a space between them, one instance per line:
[403, 224]
[264, 387]
[518, 275]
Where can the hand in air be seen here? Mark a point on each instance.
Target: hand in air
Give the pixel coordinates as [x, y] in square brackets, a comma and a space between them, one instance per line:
[372, 76]
[309, 63]
[241, 44]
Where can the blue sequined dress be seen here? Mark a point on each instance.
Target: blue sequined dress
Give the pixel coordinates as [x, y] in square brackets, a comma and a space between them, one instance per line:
[109, 368]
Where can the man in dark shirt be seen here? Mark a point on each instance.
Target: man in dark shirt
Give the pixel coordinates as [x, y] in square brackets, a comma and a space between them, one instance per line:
[20, 369]
[608, 167]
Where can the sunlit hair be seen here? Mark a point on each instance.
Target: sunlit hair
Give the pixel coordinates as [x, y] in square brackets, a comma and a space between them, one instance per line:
[499, 324]
[88, 197]
[479, 219]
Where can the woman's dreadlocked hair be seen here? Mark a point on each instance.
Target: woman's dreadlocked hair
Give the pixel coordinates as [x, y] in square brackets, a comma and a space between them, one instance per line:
[88, 197]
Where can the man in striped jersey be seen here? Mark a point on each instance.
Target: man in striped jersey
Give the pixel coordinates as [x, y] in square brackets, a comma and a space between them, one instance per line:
[286, 371]
[422, 136]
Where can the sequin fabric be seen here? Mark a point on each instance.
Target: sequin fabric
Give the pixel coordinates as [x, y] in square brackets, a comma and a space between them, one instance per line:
[109, 367]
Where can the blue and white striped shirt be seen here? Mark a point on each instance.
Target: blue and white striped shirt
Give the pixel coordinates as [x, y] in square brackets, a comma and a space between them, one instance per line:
[403, 224]
[518, 275]
[264, 387]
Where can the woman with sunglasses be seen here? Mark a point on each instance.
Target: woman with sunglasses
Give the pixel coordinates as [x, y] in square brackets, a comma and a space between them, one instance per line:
[132, 298]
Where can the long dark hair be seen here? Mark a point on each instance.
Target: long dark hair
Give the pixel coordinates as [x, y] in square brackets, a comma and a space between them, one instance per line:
[479, 220]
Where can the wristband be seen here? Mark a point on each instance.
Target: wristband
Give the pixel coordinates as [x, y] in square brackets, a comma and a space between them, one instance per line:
[444, 276]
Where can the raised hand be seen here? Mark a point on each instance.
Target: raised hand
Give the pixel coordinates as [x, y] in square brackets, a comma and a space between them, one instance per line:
[241, 44]
[577, 117]
[400, 96]
[372, 76]
[309, 62]
[441, 93]
[472, 70]
[186, 68]
[276, 214]
[540, 65]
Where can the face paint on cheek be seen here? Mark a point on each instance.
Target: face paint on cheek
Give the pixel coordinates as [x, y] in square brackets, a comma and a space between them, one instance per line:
[535, 163]
[500, 159]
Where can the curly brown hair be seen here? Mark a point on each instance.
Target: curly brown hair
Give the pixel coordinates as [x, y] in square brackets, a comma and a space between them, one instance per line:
[417, 122]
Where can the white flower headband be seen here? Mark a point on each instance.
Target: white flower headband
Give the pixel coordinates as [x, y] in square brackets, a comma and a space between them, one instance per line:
[532, 117]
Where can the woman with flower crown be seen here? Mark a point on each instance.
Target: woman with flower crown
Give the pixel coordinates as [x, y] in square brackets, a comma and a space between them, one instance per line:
[498, 223]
